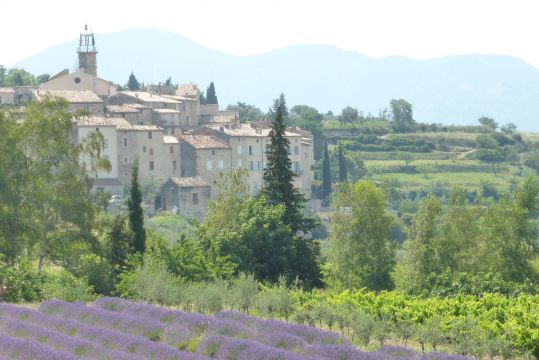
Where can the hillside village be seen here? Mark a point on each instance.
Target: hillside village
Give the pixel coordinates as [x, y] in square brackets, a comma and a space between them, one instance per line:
[181, 144]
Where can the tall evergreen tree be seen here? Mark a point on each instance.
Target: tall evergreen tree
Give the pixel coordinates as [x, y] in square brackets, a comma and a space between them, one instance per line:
[132, 83]
[278, 174]
[326, 174]
[211, 97]
[279, 189]
[136, 215]
[343, 176]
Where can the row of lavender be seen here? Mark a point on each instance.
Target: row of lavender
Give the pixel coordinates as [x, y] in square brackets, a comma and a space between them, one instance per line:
[117, 329]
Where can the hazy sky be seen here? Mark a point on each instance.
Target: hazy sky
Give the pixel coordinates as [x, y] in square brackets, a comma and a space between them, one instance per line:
[413, 28]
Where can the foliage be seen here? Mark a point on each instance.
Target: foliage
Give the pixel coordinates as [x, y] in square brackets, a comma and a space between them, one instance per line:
[247, 113]
[45, 203]
[64, 286]
[136, 214]
[488, 123]
[343, 176]
[326, 174]
[132, 83]
[360, 253]
[402, 116]
[211, 97]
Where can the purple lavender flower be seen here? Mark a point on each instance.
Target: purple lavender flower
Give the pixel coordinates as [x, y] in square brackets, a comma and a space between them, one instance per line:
[15, 348]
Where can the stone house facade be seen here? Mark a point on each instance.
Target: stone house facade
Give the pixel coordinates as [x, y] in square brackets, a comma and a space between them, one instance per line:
[190, 196]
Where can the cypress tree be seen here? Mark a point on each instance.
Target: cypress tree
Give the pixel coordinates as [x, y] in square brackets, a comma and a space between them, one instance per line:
[211, 97]
[343, 176]
[326, 174]
[136, 215]
[132, 83]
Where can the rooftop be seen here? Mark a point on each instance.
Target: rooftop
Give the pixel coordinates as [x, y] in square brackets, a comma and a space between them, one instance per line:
[125, 108]
[189, 181]
[248, 130]
[72, 96]
[203, 141]
[92, 121]
[169, 139]
[148, 97]
[7, 90]
[166, 111]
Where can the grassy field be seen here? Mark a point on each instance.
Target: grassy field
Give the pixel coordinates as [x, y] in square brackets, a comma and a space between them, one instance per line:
[468, 180]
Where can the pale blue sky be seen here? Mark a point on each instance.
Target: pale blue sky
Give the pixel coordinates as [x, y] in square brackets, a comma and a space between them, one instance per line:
[413, 28]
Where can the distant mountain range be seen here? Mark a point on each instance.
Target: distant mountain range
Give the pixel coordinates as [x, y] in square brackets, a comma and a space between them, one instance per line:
[451, 90]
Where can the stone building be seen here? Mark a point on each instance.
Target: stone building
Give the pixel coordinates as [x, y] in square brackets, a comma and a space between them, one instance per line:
[205, 156]
[190, 196]
[7, 96]
[248, 144]
[85, 78]
[77, 99]
[158, 154]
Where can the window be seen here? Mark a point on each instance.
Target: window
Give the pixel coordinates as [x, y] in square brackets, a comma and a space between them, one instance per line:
[125, 142]
[195, 199]
[126, 160]
[97, 129]
[239, 163]
[213, 152]
[259, 165]
[151, 165]
[144, 149]
[257, 140]
[239, 149]
[105, 144]
[221, 164]
[296, 167]
[187, 117]
[76, 80]
[209, 165]
[151, 151]
[296, 150]
[172, 149]
[171, 131]
[174, 165]
[251, 165]
[250, 150]
[149, 134]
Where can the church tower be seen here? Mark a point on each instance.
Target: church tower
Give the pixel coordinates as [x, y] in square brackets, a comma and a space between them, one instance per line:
[87, 53]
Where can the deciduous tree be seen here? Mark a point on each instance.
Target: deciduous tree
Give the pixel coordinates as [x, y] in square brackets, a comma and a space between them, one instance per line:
[361, 254]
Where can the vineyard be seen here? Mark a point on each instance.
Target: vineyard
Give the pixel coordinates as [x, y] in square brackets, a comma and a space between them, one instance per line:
[118, 329]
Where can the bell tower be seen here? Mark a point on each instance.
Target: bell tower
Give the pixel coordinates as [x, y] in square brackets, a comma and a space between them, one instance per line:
[87, 52]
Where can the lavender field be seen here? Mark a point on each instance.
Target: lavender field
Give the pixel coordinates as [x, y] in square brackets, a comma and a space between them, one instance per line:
[112, 328]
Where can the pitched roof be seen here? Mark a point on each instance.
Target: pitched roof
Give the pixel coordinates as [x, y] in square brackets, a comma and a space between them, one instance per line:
[247, 130]
[72, 96]
[148, 97]
[7, 90]
[203, 141]
[91, 121]
[189, 181]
